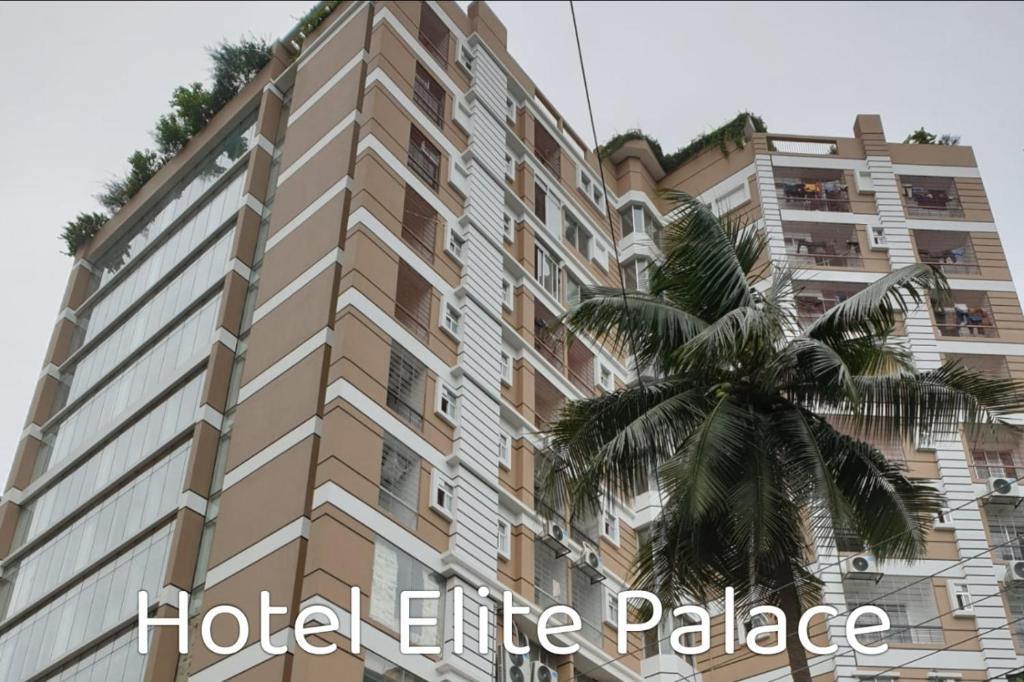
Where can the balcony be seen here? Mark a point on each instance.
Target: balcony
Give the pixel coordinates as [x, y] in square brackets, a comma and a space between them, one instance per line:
[812, 189]
[951, 252]
[821, 245]
[1005, 531]
[424, 159]
[420, 224]
[996, 452]
[428, 95]
[548, 402]
[545, 146]
[814, 298]
[909, 602]
[990, 365]
[434, 35]
[412, 302]
[970, 315]
[548, 338]
[927, 197]
[581, 367]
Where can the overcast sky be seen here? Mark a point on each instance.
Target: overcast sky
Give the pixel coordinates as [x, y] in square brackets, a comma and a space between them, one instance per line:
[85, 83]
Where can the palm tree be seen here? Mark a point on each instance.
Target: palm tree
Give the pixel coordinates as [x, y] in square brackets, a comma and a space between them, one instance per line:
[736, 418]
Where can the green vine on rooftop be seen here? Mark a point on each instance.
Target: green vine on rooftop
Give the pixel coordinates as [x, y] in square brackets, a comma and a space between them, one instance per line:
[192, 108]
[922, 136]
[732, 132]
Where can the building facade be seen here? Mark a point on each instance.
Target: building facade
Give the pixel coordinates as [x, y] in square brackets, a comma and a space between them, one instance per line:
[315, 352]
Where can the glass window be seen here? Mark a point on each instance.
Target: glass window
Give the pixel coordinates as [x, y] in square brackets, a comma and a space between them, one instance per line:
[577, 235]
[448, 402]
[395, 572]
[406, 385]
[377, 669]
[399, 481]
[168, 419]
[85, 611]
[504, 538]
[505, 450]
[547, 271]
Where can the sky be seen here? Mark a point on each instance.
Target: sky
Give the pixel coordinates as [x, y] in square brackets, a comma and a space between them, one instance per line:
[85, 83]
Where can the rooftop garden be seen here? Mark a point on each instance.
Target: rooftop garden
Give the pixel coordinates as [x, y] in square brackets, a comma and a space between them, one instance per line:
[732, 132]
[192, 106]
[922, 136]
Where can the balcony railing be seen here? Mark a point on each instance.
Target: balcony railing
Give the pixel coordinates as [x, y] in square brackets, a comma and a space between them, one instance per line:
[431, 105]
[951, 267]
[413, 236]
[813, 196]
[910, 634]
[551, 159]
[930, 203]
[581, 381]
[425, 165]
[408, 412]
[844, 261]
[439, 51]
[413, 322]
[976, 322]
[550, 349]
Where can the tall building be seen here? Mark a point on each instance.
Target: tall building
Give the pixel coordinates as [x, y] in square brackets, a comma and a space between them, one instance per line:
[316, 352]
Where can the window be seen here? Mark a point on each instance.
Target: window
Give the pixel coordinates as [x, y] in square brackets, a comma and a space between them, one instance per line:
[419, 224]
[428, 95]
[605, 379]
[960, 598]
[406, 385]
[424, 158]
[452, 320]
[505, 450]
[634, 274]
[395, 572]
[540, 201]
[447, 403]
[504, 539]
[466, 57]
[399, 481]
[611, 607]
[507, 228]
[434, 34]
[610, 525]
[506, 368]
[573, 290]
[376, 669]
[636, 218]
[577, 235]
[455, 243]
[731, 199]
[547, 271]
[510, 167]
[510, 110]
[507, 293]
[442, 497]
[590, 188]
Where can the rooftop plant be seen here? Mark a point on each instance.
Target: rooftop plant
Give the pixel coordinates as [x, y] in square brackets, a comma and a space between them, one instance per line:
[922, 136]
[733, 131]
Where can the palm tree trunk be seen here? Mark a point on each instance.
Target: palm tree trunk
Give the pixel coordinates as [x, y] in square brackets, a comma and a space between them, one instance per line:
[789, 602]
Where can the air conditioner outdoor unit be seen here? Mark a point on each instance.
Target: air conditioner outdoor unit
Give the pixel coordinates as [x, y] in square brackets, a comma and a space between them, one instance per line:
[1001, 489]
[543, 673]
[515, 668]
[862, 565]
[556, 538]
[589, 562]
[1014, 572]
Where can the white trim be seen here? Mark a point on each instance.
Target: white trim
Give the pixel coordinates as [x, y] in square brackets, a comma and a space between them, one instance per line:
[325, 88]
[265, 144]
[936, 171]
[246, 659]
[331, 258]
[951, 225]
[826, 162]
[410, 178]
[193, 501]
[299, 528]
[304, 215]
[243, 270]
[226, 338]
[310, 427]
[254, 204]
[339, 498]
[425, 58]
[318, 146]
[986, 347]
[363, 216]
[324, 337]
[982, 285]
[206, 413]
[51, 370]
